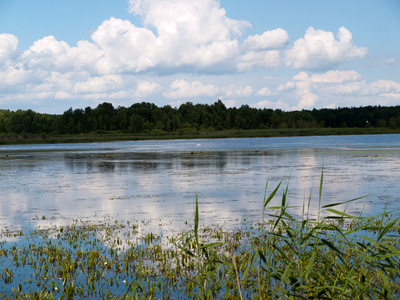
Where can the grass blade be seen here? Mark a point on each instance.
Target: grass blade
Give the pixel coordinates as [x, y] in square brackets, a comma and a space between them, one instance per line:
[196, 221]
[272, 195]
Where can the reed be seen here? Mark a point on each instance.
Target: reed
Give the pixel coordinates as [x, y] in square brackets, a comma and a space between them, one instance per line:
[333, 255]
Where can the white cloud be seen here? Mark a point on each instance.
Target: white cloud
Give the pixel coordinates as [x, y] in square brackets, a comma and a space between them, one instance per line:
[386, 86]
[183, 89]
[55, 82]
[190, 38]
[288, 86]
[362, 88]
[265, 91]
[191, 34]
[212, 58]
[259, 60]
[335, 77]
[145, 88]
[238, 91]
[229, 103]
[61, 95]
[176, 103]
[269, 40]
[273, 105]
[126, 94]
[14, 76]
[350, 89]
[8, 49]
[49, 44]
[304, 91]
[106, 83]
[385, 62]
[188, 19]
[48, 54]
[320, 50]
[126, 47]
[331, 106]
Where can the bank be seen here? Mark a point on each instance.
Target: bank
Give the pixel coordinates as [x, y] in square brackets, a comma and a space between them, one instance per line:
[110, 136]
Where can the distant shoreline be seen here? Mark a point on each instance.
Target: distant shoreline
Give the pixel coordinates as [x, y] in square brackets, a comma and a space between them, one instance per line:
[16, 139]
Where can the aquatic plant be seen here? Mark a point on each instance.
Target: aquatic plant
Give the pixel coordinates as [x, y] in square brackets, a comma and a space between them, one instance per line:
[333, 255]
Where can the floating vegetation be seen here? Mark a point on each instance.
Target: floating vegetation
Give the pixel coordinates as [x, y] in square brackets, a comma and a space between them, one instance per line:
[107, 155]
[337, 256]
[375, 155]
[256, 152]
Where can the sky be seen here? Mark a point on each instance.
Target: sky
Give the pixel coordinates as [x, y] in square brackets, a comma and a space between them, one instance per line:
[287, 54]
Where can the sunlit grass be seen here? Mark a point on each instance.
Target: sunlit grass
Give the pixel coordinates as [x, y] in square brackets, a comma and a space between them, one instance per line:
[333, 255]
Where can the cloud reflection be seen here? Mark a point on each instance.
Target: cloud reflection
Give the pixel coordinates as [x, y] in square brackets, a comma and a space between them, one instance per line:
[163, 186]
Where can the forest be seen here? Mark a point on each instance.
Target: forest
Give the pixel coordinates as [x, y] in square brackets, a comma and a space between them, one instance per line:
[148, 118]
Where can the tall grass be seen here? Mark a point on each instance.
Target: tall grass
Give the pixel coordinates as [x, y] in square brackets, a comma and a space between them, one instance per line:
[333, 255]
[337, 256]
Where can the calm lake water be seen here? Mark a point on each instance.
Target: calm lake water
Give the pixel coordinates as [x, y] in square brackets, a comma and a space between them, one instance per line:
[156, 182]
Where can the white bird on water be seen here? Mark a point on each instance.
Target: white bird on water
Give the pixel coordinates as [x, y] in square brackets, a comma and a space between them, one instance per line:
[198, 144]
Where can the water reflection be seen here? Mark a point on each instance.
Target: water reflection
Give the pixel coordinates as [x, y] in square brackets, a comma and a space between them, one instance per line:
[148, 162]
[90, 184]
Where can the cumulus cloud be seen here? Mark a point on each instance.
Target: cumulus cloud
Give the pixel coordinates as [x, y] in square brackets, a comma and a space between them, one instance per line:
[361, 88]
[258, 60]
[185, 18]
[304, 91]
[319, 50]
[386, 86]
[229, 103]
[14, 76]
[8, 49]
[145, 88]
[183, 89]
[125, 47]
[106, 83]
[187, 37]
[273, 105]
[269, 40]
[335, 77]
[323, 90]
[176, 103]
[265, 91]
[193, 36]
[238, 91]
[190, 33]
[55, 82]
[61, 95]
[48, 54]
[288, 86]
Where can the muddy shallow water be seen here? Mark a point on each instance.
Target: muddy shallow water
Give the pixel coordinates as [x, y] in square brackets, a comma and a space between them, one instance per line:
[156, 182]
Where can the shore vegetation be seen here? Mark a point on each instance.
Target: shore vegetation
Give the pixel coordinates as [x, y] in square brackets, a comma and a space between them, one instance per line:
[148, 121]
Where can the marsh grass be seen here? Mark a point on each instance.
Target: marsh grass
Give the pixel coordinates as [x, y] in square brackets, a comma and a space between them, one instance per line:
[110, 136]
[333, 255]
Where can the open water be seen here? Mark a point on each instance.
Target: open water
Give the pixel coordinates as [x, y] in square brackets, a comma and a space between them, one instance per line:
[156, 182]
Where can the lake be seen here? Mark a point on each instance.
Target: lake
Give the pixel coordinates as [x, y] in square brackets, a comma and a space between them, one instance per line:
[155, 183]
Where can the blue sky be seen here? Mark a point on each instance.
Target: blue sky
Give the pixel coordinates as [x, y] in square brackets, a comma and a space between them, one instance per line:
[287, 54]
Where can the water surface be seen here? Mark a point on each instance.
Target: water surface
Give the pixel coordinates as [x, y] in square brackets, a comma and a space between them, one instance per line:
[157, 182]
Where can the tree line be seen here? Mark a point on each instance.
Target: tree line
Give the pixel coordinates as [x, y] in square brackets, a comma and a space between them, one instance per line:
[148, 118]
